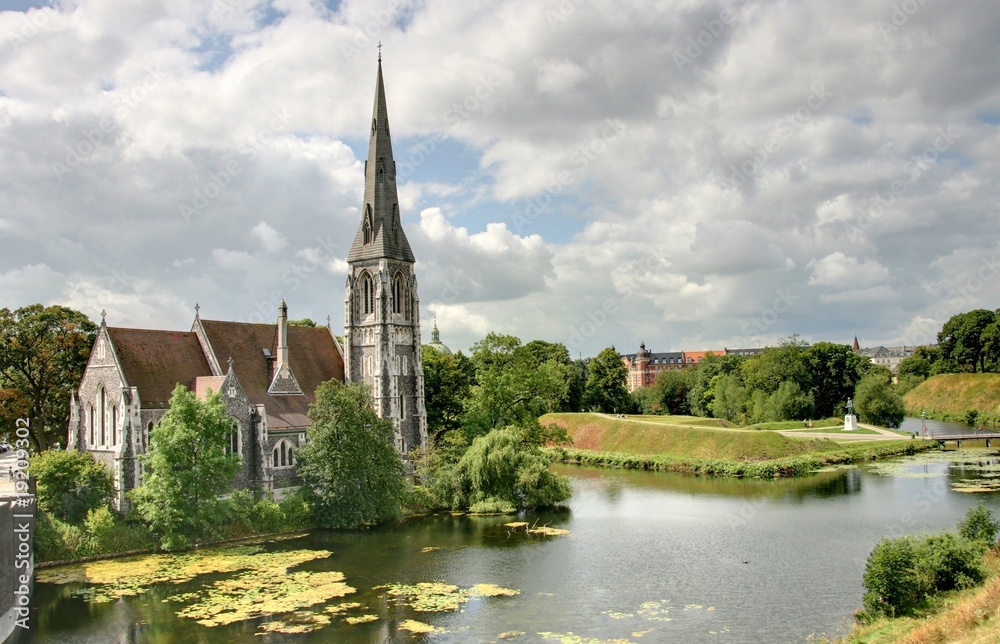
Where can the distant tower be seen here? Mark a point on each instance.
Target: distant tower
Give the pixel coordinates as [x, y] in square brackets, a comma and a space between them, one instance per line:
[382, 310]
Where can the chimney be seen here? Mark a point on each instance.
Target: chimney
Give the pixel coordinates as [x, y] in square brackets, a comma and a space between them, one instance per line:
[282, 335]
[283, 383]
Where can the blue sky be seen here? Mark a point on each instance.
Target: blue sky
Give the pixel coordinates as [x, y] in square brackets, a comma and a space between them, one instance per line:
[690, 174]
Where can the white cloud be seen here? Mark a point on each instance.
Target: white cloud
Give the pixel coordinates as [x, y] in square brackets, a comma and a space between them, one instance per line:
[270, 239]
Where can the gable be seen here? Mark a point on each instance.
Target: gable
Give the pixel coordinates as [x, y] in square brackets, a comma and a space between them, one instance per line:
[155, 362]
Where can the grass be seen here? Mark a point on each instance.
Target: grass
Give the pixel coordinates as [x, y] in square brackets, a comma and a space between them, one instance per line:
[836, 429]
[817, 425]
[950, 396]
[968, 616]
[680, 446]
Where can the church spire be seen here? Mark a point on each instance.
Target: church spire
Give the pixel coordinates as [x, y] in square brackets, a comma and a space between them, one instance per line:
[380, 235]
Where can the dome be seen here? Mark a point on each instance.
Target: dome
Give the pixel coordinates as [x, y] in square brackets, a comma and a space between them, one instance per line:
[436, 343]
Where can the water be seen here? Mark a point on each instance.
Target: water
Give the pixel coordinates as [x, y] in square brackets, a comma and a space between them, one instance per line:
[723, 560]
[934, 427]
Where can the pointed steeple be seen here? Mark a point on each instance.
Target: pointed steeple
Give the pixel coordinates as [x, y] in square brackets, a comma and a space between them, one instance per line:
[380, 234]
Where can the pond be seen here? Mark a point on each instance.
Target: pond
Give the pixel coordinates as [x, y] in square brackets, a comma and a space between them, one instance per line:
[649, 557]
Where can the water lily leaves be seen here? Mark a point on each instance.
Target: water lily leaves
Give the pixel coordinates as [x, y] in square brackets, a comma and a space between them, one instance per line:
[548, 532]
[360, 619]
[436, 596]
[570, 638]
[414, 626]
[297, 622]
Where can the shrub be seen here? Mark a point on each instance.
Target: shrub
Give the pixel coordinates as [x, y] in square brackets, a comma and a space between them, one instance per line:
[947, 561]
[980, 527]
[891, 583]
[107, 532]
[55, 540]
[70, 484]
[492, 505]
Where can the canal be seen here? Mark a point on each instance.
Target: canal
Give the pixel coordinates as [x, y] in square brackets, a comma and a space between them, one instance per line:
[649, 557]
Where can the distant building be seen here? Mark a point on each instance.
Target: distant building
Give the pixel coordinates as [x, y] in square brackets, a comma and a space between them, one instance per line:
[435, 342]
[644, 365]
[885, 356]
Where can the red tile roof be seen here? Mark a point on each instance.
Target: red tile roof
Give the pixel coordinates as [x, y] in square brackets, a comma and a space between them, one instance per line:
[157, 361]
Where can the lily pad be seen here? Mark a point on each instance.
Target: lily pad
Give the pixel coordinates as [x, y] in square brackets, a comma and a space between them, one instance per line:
[360, 619]
[414, 626]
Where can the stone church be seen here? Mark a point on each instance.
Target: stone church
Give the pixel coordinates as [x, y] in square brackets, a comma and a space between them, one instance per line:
[267, 374]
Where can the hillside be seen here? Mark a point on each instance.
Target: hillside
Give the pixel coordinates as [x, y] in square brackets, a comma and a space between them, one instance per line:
[949, 396]
[680, 436]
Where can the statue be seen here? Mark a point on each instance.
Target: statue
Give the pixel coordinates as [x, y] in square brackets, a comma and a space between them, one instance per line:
[850, 420]
[850, 407]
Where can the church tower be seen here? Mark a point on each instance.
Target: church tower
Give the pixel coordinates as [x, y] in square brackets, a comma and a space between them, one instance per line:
[382, 310]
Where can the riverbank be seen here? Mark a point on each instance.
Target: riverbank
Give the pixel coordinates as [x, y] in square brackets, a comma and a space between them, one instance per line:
[949, 397]
[709, 446]
[971, 615]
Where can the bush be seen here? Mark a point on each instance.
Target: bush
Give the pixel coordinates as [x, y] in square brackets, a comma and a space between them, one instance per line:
[980, 527]
[107, 532]
[877, 403]
[70, 484]
[891, 584]
[492, 505]
[55, 540]
[947, 561]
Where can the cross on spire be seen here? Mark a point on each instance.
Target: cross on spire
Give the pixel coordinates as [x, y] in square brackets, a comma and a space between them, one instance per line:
[380, 51]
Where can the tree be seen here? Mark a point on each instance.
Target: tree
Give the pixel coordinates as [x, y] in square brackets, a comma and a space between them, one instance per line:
[43, 353]
[775, 365]
[671, 390]
[700, 380]
[351, 471]
[961, 339]
[606, 389]
[447, 380]
[303, 322]
[731, 398]
[70, 484]
[500, 472]
[511, 387]
[876, 402]
[834, 371]
[187, 469]
[789, 402]
[556, 353]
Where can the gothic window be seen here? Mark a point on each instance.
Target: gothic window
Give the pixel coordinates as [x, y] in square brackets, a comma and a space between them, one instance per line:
[233, 449]
[283, 454]
[367, 294]
[93, 427]
[114, 425]
[368, 226]
[401, 296]
[381, 174]
[102, 409]
[149, 431]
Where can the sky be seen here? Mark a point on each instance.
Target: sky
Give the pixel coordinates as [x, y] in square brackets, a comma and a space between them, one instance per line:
[689, 174]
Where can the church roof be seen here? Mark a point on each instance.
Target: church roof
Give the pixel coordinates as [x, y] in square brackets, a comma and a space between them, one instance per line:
[313, 358]
[381, 232]
[155, 362]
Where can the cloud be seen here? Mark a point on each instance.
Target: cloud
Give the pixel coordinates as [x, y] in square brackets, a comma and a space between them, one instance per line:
[270, 239]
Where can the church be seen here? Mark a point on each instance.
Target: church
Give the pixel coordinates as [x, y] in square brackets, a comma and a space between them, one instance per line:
[267, 374]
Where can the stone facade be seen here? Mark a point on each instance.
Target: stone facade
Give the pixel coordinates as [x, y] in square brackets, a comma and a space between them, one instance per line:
[381, 306]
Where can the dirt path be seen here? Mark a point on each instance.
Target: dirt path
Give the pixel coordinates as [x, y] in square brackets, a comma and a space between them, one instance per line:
[881, 435]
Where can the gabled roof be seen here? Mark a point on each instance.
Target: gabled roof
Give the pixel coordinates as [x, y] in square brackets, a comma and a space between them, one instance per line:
[155, 362]
[313, 358]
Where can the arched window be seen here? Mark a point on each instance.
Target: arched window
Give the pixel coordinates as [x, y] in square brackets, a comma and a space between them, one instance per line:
[93, 427]
[233, 449]
[397, 293]
[102, 409]
[114, 425]
[149, 432]
[368, 226]
[367, 294]
[283, 454]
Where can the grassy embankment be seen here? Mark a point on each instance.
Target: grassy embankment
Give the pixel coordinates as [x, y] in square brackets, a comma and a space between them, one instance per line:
[707, 446]
[967, 616]
[950, 396]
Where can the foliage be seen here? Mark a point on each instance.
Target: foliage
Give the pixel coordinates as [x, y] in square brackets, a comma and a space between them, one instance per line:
[606, 390]
[907, 383]
[55, 540]
[979, 526]
[946, 561]
[775, 365]
[701, 395]
[447, 380]
[303, 322]
[969, 338]
[891, 585]
[71, 484]
[511, 386]
[834, 372]
[789, 402]
[731, 400]
[349, 466]
[500, 470]
[877, 403]
[187, 470]
[43, 353]
[971, 416]
[667, 395]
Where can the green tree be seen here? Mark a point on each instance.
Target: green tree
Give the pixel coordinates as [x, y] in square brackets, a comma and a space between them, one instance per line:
[877, 402]
[961, 339]
[731, 399]
[789, 402]
[511, 387]
[187, 470]
[556, 353]
[43, 353]
[303, 322]
[979, 526]
[349, 467]
[834, 371]
[70, 484]
[891, 585]
[500, 472]
[447, 381]
[607, 378]
[671, 389]
[775, 365]
[701, 377]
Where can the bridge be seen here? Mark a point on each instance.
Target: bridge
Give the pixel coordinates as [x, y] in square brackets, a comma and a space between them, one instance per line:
[958, 438]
